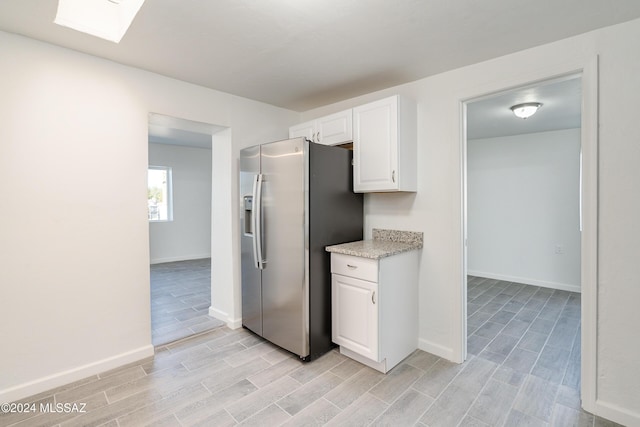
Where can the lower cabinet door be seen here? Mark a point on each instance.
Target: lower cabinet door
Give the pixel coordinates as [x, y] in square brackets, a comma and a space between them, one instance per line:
[355, 315]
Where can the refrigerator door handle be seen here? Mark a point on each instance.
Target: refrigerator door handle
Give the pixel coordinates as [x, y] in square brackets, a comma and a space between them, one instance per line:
[253, 219]
[257, 222]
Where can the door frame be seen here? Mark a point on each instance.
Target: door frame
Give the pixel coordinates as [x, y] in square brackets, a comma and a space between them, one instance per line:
[172, 122]
[588, 70]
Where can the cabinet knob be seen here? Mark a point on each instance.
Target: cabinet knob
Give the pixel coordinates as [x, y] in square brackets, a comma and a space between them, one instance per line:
[373, 297]
[318, 136]
[352, 266]
[393, 176]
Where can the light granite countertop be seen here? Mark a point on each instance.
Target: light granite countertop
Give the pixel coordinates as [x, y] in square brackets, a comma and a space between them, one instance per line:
[384, 243]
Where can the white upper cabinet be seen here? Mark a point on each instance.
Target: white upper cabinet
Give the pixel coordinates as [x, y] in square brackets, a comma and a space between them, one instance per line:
[385, 146]
[329, 130]
[335, 129]
[306, 129]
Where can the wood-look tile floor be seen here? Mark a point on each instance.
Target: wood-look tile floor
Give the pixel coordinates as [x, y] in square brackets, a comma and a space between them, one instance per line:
[522, 370]
[180, 300]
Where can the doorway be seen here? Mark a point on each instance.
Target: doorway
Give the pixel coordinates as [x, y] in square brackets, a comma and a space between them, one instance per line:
[180, 203]
[530, 311]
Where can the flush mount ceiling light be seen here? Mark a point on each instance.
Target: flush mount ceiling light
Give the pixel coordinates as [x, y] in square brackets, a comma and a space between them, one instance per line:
[107, 19]
[526, 110]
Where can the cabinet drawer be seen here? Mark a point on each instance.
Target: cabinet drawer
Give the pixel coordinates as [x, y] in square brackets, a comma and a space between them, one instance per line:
[353, 266]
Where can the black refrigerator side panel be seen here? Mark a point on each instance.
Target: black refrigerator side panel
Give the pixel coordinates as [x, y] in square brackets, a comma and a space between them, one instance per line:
[335, 216]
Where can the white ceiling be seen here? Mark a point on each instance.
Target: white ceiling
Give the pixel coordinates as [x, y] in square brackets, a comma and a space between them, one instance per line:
[301, 54]
[561, 109]
[171, 130]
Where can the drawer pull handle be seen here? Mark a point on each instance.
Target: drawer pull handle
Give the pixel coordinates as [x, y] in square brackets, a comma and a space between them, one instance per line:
[373, 297]
[352, 266]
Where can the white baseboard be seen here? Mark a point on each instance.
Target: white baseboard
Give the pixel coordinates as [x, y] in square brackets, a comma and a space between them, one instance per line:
[224, 316]
[40, 385]
[234, 323]
[435, 349]
[617, 414]
[526, 281]
[179, 258]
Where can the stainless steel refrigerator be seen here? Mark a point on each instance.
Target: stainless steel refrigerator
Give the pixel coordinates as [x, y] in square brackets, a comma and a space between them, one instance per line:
[296, 198]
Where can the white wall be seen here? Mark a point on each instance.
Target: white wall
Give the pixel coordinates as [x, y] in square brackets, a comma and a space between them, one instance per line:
[523, 200]
[435, 209]
[188, 236]
[74, 236]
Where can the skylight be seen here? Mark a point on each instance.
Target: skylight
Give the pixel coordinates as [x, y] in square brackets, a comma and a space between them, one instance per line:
[107, 19]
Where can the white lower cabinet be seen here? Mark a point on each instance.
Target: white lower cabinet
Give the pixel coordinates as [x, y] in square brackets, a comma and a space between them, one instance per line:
[355, 315]
[375, 307]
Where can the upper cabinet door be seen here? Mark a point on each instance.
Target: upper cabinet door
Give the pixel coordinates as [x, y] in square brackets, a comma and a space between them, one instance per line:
[375, 145]
[335, 129]
[384, 144]
[306, 129]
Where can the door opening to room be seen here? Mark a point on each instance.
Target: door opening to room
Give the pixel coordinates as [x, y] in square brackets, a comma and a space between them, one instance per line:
[179, 212]
[523, 233]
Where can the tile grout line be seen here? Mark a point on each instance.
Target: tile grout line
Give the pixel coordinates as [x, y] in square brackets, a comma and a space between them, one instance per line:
[546, 341]
[501, 364]
[538, 358]
[516, 346]
[409, 387]
[510, 352]
[477, 396]
[575, 338]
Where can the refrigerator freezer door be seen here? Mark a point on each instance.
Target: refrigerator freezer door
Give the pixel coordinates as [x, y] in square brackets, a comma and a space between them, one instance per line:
[284, 282]
[251, 277]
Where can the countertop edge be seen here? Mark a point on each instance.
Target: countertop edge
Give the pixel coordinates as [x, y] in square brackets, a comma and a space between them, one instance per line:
[376, 249]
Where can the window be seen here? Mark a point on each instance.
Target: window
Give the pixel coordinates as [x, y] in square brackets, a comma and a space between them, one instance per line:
[159, 193]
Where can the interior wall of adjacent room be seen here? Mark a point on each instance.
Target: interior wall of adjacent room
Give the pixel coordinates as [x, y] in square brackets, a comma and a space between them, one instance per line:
[523, 208]
[188, 234]
[75, 234]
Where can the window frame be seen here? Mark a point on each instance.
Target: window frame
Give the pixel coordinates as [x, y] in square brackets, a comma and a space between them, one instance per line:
[169, 192]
